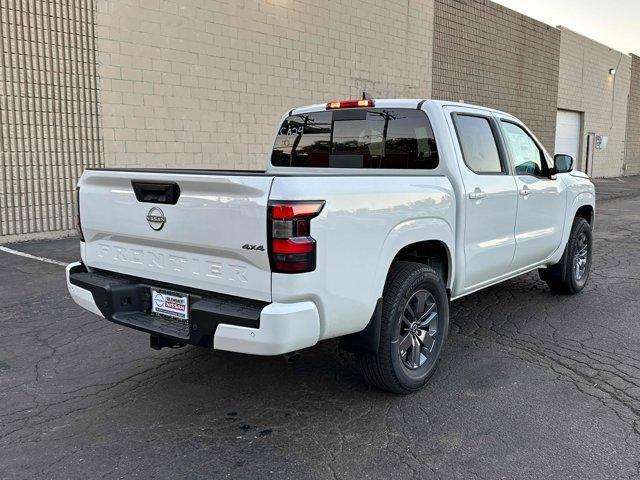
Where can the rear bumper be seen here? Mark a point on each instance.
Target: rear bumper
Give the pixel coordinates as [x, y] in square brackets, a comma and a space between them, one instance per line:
[215, 321]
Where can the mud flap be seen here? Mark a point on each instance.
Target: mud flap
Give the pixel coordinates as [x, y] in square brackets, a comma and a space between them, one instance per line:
[367, 340]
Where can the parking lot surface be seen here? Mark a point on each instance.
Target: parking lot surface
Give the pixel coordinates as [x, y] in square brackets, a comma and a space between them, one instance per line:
[531, 385]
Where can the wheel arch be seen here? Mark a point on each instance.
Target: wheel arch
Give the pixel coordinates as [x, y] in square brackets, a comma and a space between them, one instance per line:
[587, 212]
[427, 240]
[434, 253]
[583, 206]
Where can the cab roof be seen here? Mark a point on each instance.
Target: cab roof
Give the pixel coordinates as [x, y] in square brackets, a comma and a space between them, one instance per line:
[397, 103]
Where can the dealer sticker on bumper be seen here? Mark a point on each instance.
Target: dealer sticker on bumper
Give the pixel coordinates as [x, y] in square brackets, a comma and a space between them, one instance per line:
[172, 304]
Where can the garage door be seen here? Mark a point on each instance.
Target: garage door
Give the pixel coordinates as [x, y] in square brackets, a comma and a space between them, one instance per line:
[568, 134]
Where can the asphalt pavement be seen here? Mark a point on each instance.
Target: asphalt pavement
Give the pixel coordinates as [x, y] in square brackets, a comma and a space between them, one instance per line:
[531, 385]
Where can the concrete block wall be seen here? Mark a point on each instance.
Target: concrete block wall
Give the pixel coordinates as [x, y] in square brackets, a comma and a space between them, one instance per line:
[48, 114]
[487, 54]
[586, 86]
[632, 145]
[200, 83]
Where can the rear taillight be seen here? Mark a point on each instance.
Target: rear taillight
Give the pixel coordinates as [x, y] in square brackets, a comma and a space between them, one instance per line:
[292, 249]
[79, 226]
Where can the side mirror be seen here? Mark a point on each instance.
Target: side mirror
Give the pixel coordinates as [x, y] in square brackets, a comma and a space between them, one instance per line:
[562, 163]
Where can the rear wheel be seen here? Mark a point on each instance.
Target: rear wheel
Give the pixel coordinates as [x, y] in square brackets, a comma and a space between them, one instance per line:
[415, 321]
[570, 274]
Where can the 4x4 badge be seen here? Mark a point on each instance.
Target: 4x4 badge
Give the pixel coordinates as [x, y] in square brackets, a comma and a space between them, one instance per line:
[246, 246]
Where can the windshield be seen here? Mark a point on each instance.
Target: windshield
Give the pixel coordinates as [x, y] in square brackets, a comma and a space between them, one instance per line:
[357, 138]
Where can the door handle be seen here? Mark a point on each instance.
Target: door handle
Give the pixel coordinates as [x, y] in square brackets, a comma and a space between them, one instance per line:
[525, 192]
[477, 194]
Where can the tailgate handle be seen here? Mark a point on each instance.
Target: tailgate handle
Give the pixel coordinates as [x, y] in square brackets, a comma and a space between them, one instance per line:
[156, 192]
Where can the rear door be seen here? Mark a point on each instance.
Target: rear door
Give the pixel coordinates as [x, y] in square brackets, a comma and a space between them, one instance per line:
[490, 195]
[205, 231]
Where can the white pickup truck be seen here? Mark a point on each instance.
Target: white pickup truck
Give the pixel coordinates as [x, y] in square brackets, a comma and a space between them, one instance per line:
[370, 217]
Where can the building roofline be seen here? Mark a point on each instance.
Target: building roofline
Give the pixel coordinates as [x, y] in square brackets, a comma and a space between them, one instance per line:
[562, 28]
[528, 17]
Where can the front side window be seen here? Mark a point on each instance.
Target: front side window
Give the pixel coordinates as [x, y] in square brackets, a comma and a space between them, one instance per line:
[478, 144]
[528, 159]
[377, 138]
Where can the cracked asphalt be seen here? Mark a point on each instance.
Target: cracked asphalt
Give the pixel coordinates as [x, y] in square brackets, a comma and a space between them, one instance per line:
[531, 385]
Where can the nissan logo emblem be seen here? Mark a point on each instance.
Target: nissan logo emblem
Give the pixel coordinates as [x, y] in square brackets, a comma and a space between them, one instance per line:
[156, 218]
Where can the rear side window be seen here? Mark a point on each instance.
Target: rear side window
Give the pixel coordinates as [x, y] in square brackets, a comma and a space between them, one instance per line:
[357, 138]
[478, 144]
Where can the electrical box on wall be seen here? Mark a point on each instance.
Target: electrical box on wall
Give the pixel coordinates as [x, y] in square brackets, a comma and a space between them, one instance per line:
[601, 142]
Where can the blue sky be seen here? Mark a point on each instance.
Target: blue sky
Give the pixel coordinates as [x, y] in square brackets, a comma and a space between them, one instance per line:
[616, 23]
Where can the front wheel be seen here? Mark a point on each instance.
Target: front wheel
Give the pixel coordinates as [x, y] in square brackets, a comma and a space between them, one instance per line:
[414, 325]
[570, 274]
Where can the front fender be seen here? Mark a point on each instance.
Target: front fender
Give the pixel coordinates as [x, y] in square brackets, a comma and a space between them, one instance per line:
[580, 200]
[414, 231]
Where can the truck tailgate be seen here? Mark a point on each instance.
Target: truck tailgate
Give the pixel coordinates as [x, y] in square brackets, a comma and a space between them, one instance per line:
[214, 237]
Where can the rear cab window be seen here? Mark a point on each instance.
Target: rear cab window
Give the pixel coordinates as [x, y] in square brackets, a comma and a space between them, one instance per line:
[373, 138]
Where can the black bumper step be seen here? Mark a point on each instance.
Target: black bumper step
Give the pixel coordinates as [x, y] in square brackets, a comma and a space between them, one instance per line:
[126, 300]
[154, 324]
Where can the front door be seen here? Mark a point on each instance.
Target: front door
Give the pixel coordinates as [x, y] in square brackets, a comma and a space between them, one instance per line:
[541, 200]
[490, 196]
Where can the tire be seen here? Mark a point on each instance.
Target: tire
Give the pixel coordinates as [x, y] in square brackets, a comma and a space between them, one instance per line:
[410, 288]
[566, 277]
